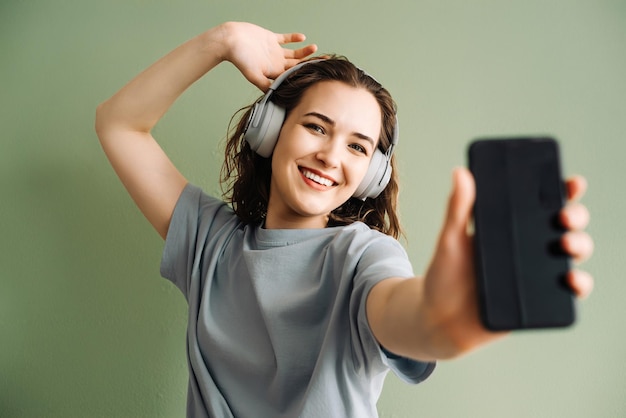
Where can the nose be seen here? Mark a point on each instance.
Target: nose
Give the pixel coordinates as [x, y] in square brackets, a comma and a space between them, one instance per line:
[330, 153]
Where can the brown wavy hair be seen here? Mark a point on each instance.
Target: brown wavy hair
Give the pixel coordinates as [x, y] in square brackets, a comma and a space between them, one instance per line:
[245, 175]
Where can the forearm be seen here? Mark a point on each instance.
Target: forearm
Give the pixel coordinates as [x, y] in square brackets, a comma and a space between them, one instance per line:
[399, 321]
[405, 321]
[142, 102]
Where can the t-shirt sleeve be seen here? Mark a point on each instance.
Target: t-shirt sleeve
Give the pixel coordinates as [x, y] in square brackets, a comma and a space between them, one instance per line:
[194, 216]
[409, 370]
[385, 258]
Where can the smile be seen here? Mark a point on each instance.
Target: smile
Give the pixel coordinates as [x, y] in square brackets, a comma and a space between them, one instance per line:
[317, 178]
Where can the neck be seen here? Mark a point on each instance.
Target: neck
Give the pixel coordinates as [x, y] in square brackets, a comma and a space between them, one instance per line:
[286, 222]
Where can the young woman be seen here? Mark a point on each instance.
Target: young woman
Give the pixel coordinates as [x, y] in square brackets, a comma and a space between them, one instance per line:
[300, 297]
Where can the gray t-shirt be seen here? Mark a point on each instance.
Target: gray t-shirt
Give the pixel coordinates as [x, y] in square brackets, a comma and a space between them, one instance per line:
[277, 323]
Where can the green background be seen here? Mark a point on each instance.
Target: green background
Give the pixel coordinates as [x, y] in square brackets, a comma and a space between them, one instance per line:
[87, 326]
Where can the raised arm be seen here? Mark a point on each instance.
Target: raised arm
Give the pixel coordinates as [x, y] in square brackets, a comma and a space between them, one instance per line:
[124, 122]
[436, 317]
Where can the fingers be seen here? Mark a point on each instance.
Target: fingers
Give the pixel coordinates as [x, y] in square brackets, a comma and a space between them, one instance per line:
[578, 245]
[303, 52]
[580, 282]
[454, 243]
[461, 199]
[574, 216]
[575, 186]
[287, 38]
[293, 56]
[263, 84]
[258, 79]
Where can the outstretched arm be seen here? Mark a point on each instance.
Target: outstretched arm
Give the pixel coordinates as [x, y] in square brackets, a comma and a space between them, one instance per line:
[436, 317]
[124, 122]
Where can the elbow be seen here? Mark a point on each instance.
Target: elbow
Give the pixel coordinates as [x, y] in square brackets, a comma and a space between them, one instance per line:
[100, 122]
[107, 123]
[111, 119]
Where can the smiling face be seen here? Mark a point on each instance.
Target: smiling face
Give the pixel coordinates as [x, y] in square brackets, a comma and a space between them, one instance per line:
[322, 154]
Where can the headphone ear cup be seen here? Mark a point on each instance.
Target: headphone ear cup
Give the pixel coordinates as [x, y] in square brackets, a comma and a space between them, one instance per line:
[377, 177]
[264, 126]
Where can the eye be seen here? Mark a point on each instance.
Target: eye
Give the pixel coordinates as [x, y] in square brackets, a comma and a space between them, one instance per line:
[315, 127]
[358, 148]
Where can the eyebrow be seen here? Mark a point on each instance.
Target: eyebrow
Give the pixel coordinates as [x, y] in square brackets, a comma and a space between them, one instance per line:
[332, 123]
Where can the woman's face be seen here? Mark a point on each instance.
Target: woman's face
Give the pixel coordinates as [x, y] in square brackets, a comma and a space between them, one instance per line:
[322, 154]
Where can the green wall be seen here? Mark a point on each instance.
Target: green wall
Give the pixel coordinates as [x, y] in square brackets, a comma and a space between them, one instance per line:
[87, 326]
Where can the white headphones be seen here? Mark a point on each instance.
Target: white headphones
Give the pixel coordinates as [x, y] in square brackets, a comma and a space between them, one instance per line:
[266, 120]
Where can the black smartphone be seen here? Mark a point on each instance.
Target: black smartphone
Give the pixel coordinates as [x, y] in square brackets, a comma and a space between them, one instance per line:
[520, 267]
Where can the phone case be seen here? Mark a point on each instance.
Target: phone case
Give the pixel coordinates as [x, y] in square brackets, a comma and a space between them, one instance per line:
[519, 265]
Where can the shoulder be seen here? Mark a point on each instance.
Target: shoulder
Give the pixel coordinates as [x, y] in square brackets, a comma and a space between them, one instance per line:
[193, 198]
[362, 235]
[197, 210]
[372, 250]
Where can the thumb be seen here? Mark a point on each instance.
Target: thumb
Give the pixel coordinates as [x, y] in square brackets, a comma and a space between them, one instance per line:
[461, 201]
[258, 79]
[261, 82]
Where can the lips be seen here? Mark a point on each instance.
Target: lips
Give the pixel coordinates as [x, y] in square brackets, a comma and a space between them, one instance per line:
[317, 178]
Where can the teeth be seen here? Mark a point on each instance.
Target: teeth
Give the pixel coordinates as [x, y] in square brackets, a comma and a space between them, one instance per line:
[317, 179]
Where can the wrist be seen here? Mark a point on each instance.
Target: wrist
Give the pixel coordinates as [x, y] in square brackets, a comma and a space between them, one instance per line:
[222, 40]
[454, 331]
[217, 41]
